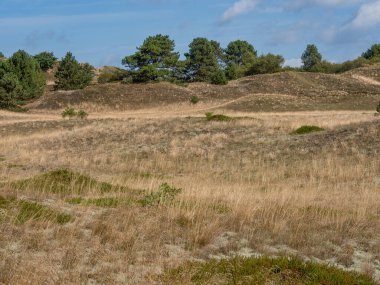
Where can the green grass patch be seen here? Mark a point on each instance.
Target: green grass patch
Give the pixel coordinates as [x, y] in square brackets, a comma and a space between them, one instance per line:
[262, 271]
[217, 117]
[65, 182]
[165, 194]
[307, 129]
[23, 211]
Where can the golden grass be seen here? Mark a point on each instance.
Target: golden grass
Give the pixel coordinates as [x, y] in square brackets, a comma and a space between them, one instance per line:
[316, 196]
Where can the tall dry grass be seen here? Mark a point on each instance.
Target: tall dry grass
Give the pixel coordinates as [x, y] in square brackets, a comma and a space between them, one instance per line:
[248, 186]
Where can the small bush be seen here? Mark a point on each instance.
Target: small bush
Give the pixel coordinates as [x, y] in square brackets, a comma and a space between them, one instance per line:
[378, 108]
[82, 114]
[307, 129]
[219, 78]
[112, 74]
[69, 112]
[217, 117]
[165, 194]
[194, 99]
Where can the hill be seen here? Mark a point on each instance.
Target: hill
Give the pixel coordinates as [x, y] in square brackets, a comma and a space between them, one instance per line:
[285, 91]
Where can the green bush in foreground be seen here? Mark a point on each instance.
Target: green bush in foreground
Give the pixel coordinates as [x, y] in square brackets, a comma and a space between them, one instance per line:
[262, 271]
[307, 129]
[378, 108]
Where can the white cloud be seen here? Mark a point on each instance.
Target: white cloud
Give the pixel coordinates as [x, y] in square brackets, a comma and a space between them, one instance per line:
[238, 8]
[368, 16]
[293, 62]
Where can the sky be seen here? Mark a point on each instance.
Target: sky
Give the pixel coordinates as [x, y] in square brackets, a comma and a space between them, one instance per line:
[103, 32]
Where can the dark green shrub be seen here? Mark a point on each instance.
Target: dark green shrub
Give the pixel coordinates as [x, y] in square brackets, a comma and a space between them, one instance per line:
[378, 108]
[219, 78]
[194, 99]
[72, 75]
[265, 64]
[307, 129]
[82, 114]
[69, 112]
[21, 79]
[46, 60]
[217, 117]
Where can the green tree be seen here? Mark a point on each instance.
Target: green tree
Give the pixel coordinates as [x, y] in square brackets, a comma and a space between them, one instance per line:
[373, 52]
[311, 57]
[2, 55]
[46, 60]
[72, 75]
[203, 60]
[20, 79]
[240, 55]
[154, 60]
[269, 63]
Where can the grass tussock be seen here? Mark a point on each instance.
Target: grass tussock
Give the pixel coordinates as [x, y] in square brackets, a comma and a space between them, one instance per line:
[307, 129]
[64, 182]
[217, 117]
[262, 271]
[22, 211]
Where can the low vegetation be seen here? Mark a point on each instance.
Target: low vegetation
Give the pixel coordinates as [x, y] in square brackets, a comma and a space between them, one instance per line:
[71, 113]
[63, 182]
[217, 117]
[22, 211]
[262, 271]
[165, 194]
[194, 99]
[307, 129]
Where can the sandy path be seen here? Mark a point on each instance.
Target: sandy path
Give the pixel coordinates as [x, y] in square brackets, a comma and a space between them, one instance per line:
[366, 80]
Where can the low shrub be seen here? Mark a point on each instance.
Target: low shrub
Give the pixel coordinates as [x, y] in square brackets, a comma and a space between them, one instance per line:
[307, 129]
[217, 117]
[82, 114]
[378, 108]
[71, 113]
[165, 194]
[219, 78]
[194, 99]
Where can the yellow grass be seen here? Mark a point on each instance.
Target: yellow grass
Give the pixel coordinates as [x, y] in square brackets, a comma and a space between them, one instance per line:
[248, 187]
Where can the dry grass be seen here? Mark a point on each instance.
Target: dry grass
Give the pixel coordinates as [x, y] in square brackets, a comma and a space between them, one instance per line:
[248, 187]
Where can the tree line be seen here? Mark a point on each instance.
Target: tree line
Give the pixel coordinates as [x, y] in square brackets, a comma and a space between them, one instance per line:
[22, 76]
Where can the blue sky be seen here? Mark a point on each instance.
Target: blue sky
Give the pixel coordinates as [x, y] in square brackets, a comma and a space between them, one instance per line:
[103, 32]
